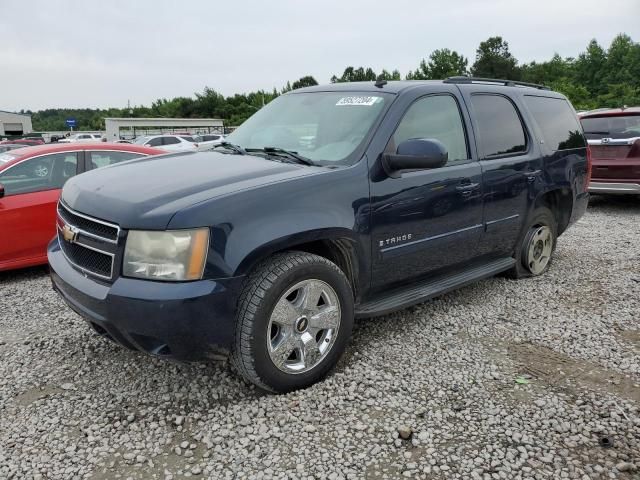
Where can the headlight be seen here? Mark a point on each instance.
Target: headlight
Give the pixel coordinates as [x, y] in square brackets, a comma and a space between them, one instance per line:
[172, 255]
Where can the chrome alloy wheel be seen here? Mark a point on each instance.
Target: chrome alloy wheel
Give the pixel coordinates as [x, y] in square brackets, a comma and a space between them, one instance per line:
[539, 249]
[41, 171]
[303, 326]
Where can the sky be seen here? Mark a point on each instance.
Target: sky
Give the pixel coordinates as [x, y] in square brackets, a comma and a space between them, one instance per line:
[104, 53]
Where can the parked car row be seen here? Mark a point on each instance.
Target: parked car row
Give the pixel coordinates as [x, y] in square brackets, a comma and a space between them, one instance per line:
[180, 142]
[332, 203]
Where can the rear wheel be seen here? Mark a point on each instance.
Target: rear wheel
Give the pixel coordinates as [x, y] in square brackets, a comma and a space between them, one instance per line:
[536, 246]
[294, 321]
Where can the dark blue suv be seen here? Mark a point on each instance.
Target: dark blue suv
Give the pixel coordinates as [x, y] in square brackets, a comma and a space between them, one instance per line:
[330, 203]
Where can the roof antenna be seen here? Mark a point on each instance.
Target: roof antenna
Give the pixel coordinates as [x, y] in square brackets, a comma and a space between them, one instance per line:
[380, 82]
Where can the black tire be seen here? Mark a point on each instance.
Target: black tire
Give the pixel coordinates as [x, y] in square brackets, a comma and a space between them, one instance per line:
[541, 217]
[264, 288]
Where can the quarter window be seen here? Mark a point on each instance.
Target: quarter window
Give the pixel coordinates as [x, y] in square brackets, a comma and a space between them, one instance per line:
[48, 172]
[557, 122]
[500, 129]
[436, 117]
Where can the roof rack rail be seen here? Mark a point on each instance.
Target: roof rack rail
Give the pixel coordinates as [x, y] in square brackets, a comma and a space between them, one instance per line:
[508, 83]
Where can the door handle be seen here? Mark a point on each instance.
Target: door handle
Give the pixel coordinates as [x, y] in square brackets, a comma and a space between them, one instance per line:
[531, 176]
[466, 187]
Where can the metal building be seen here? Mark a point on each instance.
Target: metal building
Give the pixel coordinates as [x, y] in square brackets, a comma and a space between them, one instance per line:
[14, 123]
[142, 126]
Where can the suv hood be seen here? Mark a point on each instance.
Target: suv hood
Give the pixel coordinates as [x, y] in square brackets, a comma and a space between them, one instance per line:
[146, 193]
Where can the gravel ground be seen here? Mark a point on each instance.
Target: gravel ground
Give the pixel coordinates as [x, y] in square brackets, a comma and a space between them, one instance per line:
[537, 378]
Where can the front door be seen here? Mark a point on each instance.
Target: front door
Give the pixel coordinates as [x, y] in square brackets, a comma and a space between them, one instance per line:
[28, 209]
[427, 220]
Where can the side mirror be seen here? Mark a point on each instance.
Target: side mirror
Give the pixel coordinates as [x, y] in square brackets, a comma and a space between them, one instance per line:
[415, 154]
[1, 190]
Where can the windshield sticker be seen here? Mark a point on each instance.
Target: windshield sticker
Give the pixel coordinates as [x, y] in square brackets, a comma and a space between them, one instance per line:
[366, 101]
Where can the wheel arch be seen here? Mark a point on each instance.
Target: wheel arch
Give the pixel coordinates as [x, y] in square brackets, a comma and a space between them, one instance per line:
[560, 202]
[336, 245]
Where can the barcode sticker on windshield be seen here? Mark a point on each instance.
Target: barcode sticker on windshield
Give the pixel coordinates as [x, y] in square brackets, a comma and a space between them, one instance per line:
[366, 101]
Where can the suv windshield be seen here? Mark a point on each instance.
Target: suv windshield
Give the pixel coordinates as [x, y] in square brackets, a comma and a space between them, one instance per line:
[326, 127]
[619, 126]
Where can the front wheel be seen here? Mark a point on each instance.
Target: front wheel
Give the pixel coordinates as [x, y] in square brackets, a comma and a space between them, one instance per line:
[294, 320]
[536, 245]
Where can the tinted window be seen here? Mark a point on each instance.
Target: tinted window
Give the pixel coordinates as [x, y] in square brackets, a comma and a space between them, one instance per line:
[170, 141]
[500, 130]
[155, 142]
[188, 139]
[436, 117]
[620, 126]
[210, 138]
[101, 159]
[555, 118]
[42, 173]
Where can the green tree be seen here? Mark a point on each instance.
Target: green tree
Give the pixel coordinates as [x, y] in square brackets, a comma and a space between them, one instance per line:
[589, 68]
[442, 63]
[307, 81]
[493, 60]
[351, 74]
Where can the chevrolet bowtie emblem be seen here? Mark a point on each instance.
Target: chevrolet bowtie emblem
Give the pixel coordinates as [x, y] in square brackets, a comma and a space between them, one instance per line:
[69, 233]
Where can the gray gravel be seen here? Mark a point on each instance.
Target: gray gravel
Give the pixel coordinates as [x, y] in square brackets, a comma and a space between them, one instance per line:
[531, 379]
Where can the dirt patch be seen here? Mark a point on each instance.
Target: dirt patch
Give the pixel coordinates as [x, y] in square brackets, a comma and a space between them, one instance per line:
[29, 396]
[559, 370]
[631, 336]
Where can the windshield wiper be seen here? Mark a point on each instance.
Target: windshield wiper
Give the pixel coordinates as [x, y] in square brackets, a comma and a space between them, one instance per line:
[284, 153]
[231, 146]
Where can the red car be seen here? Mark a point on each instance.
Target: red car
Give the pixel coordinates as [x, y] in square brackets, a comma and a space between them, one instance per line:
[614, 140]
[30, 182]
[25, 141]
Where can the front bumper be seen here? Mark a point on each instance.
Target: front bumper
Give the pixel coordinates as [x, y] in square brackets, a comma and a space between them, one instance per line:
[615, 188]
[181, 321]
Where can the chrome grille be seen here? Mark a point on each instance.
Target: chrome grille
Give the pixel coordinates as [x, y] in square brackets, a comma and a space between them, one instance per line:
[89, 244]
[98, 228]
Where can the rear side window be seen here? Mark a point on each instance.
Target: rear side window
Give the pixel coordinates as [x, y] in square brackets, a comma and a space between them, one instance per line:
[170, 141]
[619, 126]
[500, 129]
[557, 122]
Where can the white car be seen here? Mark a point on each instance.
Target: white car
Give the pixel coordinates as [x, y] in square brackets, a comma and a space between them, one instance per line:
[207, 141]
[82, 137]
[170, 143]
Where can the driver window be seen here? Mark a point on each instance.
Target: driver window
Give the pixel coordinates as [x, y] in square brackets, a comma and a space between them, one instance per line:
[48, 172]
[437, 117]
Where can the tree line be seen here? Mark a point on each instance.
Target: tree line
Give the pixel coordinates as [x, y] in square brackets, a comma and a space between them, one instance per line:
[597, 77]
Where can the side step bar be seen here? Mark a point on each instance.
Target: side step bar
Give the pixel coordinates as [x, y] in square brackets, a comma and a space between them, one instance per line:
[420, 292]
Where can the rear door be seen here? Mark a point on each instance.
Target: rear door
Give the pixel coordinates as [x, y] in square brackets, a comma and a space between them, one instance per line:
[615, 147]
[28, 209]
[511, 167]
